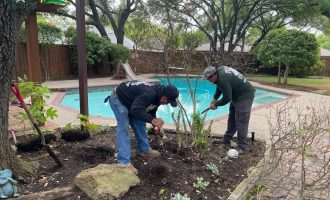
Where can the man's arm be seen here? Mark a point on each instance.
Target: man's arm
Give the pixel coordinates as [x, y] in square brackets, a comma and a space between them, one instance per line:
[217, 93]
[138, 109]
[226, 93]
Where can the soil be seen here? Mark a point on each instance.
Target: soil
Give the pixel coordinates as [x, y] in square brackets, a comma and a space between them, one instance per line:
[174, 172]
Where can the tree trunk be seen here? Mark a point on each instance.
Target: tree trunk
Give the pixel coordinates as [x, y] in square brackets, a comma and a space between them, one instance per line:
[11, 18]
[286, 74]
[120, 36]
[279, 73]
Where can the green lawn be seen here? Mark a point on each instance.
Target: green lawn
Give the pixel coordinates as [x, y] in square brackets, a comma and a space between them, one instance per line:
[310, 82]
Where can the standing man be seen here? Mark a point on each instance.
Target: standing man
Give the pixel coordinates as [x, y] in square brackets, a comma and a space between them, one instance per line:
[134, 103]
[237, 91]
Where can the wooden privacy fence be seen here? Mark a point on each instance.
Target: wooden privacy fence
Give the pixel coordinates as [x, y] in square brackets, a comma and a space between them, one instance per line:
[54, 59]
[326, 68]
[55, 62]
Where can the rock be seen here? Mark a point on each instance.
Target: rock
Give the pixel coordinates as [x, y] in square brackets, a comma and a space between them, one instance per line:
[106, 181]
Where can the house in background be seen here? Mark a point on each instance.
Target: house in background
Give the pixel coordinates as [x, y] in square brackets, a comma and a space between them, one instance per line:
[111, 35]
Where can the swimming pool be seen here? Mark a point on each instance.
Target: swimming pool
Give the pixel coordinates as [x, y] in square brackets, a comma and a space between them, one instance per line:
[204, 94]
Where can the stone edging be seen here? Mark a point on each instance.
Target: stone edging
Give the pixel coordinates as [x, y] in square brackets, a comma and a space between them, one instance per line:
[254, 174]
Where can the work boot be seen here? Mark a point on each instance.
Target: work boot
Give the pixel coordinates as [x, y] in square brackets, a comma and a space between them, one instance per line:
[150, 154]
[242, 151]
[129, 166]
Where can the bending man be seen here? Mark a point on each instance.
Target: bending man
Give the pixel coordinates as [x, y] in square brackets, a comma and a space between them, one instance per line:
[134, 103]
[237, 91]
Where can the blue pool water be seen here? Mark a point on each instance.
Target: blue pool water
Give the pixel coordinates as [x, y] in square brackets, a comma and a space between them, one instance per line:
[204, 94]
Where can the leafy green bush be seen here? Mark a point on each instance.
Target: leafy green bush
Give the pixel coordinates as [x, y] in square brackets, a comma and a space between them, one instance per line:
[97, 48]
[119, 53]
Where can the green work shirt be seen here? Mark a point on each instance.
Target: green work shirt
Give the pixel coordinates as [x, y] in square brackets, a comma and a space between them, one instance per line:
[232, 85]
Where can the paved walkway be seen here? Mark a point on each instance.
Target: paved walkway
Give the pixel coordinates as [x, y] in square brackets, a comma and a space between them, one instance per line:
[259, 122]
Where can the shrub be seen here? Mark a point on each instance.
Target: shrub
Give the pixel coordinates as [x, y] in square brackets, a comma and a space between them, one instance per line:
[97, 48]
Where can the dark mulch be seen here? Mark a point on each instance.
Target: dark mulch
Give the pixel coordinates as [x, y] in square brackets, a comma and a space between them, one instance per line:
[174, 172]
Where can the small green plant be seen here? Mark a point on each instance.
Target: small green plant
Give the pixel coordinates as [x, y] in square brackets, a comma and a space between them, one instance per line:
[70, 126]
[233, 144]
[255, 191]
[213, 168]
[200, 183]
[38, 95]
[178, 196]
[161, 193]
[46, 130]
[88, 127]
[202, 138]
[226, 158]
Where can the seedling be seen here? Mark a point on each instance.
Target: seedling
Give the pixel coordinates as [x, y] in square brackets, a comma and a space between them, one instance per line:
[178, 196]
[233, 144]
[200, 183]
[226, 158]
[213, 168]
[161, 193]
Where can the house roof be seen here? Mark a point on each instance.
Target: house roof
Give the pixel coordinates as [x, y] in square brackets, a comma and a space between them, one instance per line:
[111, 35]
[325, 53]
[206, 47]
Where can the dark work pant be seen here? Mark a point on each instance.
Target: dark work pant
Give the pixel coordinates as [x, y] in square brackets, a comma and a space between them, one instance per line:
[238, 120]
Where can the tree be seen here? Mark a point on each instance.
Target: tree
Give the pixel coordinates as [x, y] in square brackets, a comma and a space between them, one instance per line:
[298, 51]
[103, 12]
[192, 39]
[13, 13]
[226, 23]
[48, 33]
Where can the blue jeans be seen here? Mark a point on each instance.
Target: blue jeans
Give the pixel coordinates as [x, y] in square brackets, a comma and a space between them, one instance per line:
[123, 140]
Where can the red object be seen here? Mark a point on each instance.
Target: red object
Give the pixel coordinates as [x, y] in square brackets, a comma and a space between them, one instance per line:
[16, 92]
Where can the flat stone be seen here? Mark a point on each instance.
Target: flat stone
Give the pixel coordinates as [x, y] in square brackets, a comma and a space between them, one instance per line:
[106, 181]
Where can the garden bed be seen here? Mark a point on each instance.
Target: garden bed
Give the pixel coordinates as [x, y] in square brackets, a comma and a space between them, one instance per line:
[174, 172]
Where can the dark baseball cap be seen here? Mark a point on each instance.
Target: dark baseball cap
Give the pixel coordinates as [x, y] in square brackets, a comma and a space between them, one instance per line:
[172, 93]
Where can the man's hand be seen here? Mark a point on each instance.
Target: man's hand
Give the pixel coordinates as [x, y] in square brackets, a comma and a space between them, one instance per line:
[213, 101]
[212, 105]
[157, 122]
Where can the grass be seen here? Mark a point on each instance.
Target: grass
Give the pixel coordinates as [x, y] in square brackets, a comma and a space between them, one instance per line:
[322, 83]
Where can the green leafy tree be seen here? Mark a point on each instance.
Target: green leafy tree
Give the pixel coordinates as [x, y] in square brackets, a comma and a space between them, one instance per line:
[191, 40]
[101, 13]
[48, 33]
[138, 30]
[226, 23]
[296, 50]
